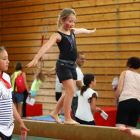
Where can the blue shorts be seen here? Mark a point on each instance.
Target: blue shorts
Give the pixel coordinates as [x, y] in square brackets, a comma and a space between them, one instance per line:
[18, 97]
[33, 93]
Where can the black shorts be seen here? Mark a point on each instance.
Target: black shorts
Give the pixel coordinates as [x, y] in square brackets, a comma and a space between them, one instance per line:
[128, 112]
[58, 95]
[85, 122]
[3, 137]
[66, 70]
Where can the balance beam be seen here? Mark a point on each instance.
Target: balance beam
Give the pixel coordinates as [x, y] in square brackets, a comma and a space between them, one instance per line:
[72, 132]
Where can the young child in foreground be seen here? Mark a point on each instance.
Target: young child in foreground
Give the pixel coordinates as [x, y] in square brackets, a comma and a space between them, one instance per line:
[7, 108]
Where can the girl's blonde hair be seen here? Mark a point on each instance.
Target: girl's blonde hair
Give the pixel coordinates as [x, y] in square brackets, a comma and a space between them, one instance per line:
[2, 48]
[64, 14]
[42, 77]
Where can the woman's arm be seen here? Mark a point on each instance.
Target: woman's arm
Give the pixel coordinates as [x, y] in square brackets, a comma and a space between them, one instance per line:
[52, 69]
[120, 86]
[49, 71]
[83, 31]
[54, 38]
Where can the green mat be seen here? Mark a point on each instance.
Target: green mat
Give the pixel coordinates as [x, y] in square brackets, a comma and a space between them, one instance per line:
[17, 137]
[138, 126]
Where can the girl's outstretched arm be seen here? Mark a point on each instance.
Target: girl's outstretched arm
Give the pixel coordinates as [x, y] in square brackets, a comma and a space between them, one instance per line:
[83, 31]
[45, 48]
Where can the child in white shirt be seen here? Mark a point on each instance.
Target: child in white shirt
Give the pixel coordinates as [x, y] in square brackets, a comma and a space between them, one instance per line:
[87, 101]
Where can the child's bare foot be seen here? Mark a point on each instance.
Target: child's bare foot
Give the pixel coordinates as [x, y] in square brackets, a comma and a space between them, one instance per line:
[70, 121]
[55, 117]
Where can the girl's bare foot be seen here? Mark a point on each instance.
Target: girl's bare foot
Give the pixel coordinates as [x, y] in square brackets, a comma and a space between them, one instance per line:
[55, 117]
[70, 121]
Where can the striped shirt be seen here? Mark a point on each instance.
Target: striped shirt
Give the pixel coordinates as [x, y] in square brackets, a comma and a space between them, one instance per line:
[131, 87]
[6, 108]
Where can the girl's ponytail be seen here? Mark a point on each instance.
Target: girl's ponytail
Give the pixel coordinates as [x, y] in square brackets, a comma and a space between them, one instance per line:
[84, 88]
[87, 80]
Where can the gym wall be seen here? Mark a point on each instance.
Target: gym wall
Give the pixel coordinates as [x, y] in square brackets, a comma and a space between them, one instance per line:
[22, 23]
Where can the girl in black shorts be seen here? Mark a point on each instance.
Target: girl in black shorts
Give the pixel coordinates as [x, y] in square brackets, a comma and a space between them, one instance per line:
[66, 64]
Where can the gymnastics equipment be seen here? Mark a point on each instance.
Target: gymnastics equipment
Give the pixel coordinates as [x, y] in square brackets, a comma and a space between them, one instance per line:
[72, 132]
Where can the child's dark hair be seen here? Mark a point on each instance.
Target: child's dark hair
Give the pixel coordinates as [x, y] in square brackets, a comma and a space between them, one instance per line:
[18, 66]
[2, 48]
[133, 62]
[87, 80]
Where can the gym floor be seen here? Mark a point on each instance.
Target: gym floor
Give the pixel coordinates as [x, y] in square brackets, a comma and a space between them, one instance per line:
[17, 137]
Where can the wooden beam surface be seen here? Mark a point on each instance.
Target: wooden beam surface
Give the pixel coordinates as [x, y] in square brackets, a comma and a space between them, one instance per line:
[72, 132]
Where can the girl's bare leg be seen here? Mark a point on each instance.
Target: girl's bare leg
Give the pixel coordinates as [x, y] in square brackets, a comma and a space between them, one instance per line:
[54, 113]
[66, 100]
[70, 89]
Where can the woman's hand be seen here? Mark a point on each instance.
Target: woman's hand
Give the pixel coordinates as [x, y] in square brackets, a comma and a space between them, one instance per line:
[33, 62]
[23, 132]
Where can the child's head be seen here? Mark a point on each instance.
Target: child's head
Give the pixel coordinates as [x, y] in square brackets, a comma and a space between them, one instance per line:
[4, 62]
[18, 66]
[88, 79]
[67, 17]
[42, 77]
[133, 62]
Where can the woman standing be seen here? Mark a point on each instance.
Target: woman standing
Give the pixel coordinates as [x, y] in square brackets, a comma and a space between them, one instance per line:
[128, 95]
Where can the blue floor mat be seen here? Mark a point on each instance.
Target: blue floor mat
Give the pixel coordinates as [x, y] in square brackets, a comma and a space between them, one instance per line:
[44, 118]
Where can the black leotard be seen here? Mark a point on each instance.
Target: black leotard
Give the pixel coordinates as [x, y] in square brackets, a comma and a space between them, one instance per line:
[67, 47]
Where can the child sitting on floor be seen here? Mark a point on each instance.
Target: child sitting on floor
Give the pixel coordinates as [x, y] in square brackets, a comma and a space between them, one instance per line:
[39, 78]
